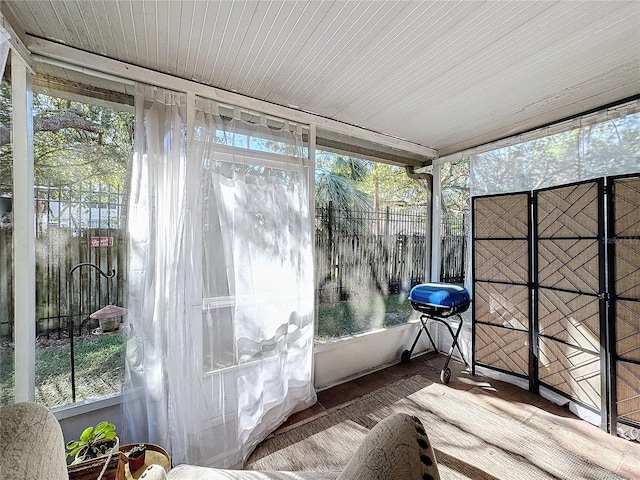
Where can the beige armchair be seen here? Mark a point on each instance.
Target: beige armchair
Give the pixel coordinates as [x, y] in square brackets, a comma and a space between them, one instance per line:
[32, 448]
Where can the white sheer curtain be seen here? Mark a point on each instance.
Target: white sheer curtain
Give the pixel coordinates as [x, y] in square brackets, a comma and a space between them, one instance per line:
[221, 283]
[161, 364]
[258, 270]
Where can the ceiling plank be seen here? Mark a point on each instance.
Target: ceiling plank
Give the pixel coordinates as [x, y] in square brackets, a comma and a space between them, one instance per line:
[442, 74]
[63, 53]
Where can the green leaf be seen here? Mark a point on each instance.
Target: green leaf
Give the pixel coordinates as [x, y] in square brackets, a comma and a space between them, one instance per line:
[105, 430]
[73, 448]
[86, 435]
[90, 435]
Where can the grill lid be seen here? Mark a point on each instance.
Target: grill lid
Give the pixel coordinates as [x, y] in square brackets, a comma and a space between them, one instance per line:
[440, 295]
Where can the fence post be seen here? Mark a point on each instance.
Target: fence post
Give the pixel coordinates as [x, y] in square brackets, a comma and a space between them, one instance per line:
[331, 256]
[463, 256]
[386, 222]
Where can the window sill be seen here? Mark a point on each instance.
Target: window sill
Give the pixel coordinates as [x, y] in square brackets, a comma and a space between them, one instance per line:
[87, 406]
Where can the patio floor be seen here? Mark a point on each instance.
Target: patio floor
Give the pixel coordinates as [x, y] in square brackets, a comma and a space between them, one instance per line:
[597, 452]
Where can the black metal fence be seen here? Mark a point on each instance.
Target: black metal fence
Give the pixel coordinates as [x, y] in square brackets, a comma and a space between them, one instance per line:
[453, 247]
[387, 251]
[355, 250]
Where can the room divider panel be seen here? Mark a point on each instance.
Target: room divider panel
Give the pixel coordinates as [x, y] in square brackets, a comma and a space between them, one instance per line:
[501, 265]
[570, 289]
[624, 244]
[556, 278]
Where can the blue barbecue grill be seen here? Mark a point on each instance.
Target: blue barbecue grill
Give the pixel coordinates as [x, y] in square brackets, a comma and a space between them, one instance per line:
[439, 301]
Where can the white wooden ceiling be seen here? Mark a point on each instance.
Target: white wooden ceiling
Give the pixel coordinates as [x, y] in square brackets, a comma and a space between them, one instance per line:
[444, 74]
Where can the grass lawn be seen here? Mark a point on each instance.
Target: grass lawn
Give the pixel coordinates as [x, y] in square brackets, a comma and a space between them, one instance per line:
[99, 362]
[361, 314]
[100, 358]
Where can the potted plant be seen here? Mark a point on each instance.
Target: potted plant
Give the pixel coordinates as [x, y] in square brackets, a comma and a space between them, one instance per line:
[94, 442]
[136, 457]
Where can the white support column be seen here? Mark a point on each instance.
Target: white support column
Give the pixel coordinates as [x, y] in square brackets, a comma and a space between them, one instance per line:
[24, 260]
[312, 170]
[436, 221]
[311, 179]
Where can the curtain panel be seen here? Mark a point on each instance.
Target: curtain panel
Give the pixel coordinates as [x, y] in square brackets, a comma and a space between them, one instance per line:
[221, 282]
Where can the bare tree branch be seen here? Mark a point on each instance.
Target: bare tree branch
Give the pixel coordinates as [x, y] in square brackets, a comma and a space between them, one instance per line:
[70, 118]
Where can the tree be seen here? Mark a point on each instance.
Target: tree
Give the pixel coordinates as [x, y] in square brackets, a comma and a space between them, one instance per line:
[606, 148]
[77, 142]
[338, 185]
[455, 186]
[391, 186]
[73, 142]
[337, 179]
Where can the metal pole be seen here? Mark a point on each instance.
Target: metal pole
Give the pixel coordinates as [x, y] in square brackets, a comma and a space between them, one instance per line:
[70, 328]
[70, 319]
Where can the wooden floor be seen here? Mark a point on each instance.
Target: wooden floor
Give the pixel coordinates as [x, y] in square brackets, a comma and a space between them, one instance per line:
[627, 453]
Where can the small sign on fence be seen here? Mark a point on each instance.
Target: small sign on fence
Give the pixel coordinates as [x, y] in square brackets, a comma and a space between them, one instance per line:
[95, 242]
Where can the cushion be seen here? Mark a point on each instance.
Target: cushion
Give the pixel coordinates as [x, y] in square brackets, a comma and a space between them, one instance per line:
[32, 445]
[190, 472]
[396, 448]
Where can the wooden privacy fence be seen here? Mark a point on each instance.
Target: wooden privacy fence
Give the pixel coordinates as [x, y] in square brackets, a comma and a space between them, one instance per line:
[73, 225]
[58, 252]
[6, 280]
[388, 251]
[363, 250]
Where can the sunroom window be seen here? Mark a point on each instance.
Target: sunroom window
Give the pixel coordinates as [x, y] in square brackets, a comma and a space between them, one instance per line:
[83, 132]
[372, 243]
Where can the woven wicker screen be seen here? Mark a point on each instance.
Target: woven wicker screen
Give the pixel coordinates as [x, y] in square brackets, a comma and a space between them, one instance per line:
[584, 323]
[501, 282]
[625, 242]
[504, 349]
[571, 371]
[568, 235]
